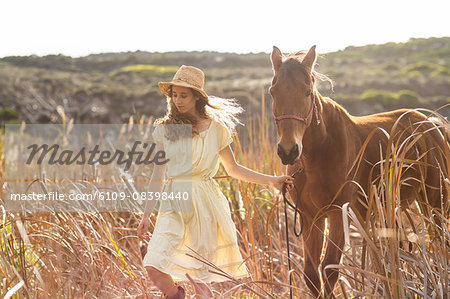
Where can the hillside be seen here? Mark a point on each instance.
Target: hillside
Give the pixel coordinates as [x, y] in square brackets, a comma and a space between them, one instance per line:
[108, 87]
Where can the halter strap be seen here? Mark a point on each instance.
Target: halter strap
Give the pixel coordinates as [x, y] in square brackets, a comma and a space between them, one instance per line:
[302, 119]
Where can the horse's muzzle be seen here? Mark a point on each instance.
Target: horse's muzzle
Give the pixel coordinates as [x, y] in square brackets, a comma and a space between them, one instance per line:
[291, 156]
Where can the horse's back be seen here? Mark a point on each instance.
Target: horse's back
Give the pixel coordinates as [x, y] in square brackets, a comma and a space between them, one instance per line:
[399, 125]
[386, 120]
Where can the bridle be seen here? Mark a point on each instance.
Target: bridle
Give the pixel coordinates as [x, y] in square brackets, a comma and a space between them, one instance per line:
[302, 119]
[305, 120]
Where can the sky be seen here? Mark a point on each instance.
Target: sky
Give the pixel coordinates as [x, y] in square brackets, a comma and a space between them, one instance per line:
[83, 27]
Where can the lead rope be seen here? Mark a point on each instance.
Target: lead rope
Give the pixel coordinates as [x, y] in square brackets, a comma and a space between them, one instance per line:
[298, 234]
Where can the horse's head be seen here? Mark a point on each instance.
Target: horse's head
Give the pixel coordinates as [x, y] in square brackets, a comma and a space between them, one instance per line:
[292, 92]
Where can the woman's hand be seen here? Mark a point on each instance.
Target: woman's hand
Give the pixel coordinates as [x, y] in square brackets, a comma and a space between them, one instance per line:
[278, 182]
[142, 230]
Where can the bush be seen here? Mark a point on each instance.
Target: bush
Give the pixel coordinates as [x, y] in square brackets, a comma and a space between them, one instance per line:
[408, 98]
[390, 67]
[386, 98]
[421, 67]
[442, 70]
[147, 68]
[7, 114]
[413, 74]
[403, 98]
[407, 95]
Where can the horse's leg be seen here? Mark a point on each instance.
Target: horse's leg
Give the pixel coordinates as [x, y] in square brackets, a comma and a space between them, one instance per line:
[333, 253]
[312, 249]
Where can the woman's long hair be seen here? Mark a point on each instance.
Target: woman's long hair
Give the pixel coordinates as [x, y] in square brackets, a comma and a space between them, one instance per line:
[224, 111]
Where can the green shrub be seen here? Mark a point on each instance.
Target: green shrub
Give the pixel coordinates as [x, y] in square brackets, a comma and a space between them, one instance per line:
[147, 68]
[408, 98]
[441, 70]
[386, 98]
[412, 74]
[422, 67]
[7, 114]
[407, 95]
[95, 73]
[403, 98]
[390, 67]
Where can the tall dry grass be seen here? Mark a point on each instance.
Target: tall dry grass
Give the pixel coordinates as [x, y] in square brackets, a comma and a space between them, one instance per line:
[96, 255]
[398, 251]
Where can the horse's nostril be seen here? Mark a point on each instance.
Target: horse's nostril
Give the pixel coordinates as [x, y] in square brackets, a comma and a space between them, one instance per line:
[280, 150]
[295, 150]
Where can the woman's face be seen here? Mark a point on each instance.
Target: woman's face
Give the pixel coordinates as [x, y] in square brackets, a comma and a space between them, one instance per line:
[184, 99]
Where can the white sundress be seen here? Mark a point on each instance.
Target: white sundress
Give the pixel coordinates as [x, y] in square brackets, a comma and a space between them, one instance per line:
[206, 226]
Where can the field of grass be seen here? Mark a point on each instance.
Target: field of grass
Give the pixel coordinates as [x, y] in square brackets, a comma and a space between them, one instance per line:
[97, 255]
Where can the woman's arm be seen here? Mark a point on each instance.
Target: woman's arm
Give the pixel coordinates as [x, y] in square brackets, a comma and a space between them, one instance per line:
[245, 174]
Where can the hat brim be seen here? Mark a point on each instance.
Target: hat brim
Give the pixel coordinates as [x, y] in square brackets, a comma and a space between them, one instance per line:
[165, 86]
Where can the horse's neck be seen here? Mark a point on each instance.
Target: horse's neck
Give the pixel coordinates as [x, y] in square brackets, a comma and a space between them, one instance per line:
[333, 119]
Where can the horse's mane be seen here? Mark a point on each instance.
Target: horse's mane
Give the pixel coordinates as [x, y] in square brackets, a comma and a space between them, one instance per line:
[294, 60]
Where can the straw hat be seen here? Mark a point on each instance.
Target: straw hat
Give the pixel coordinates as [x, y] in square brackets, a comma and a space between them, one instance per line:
[187, 76]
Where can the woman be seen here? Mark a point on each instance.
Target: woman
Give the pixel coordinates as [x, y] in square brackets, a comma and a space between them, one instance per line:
[203, 226]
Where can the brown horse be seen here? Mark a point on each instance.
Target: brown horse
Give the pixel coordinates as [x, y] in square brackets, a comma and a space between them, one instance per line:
[319, 134]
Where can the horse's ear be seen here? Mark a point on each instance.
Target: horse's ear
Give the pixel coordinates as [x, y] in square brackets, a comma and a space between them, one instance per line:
[310, 58]
[276, 58]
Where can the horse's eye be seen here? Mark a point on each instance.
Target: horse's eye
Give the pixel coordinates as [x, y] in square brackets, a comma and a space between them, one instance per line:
[308, 93]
